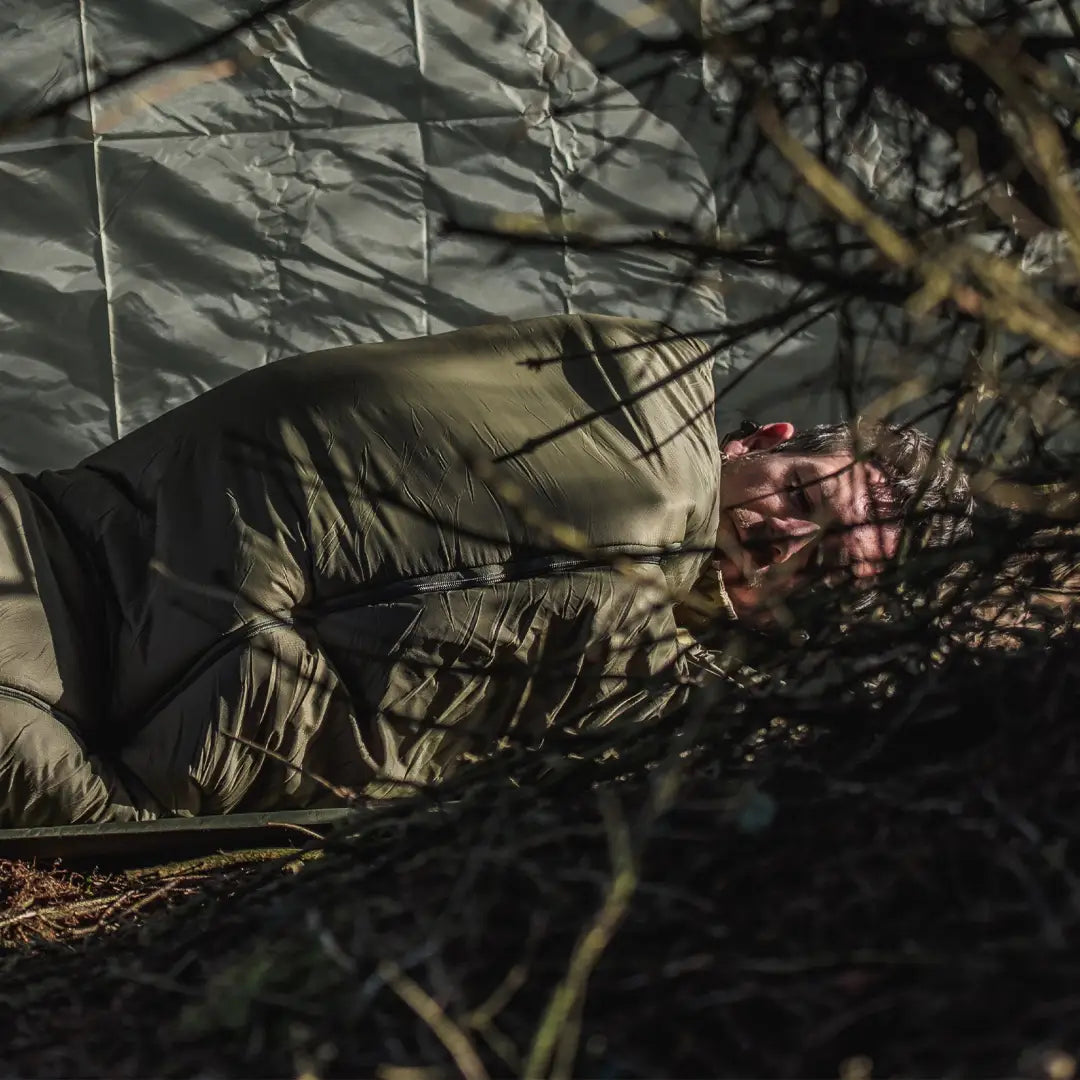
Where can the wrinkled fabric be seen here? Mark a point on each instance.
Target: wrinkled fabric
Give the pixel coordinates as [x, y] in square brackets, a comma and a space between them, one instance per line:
[351, 569]
[286, 190]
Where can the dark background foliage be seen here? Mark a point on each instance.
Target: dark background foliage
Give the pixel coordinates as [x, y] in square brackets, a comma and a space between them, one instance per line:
[865, 864]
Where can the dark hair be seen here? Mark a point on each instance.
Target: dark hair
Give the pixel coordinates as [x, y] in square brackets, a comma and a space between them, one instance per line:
[924, 487]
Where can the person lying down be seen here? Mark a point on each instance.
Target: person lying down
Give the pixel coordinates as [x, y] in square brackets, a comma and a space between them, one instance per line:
[361, 564]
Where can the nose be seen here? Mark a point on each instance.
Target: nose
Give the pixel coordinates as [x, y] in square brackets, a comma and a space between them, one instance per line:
[778, 540]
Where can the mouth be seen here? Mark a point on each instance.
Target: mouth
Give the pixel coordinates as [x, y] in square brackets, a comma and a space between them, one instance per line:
[729, 558]
[730, 572]
[730, 532]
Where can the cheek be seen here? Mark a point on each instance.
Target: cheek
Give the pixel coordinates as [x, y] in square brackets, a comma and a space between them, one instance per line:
[755, 490]
[756, 509]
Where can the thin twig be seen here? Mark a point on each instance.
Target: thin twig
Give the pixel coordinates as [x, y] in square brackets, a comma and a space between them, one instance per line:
[457, 1043]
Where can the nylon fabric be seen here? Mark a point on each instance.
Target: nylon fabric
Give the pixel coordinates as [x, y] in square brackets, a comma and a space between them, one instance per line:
[286, 191]
[219, 559]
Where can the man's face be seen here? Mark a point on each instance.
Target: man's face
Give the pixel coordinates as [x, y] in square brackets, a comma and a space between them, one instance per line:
[788, 519]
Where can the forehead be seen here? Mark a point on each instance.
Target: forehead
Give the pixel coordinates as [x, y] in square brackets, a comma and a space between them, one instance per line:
[846, 501]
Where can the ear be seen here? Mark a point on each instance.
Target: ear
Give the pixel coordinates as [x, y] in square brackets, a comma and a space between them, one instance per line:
[764, 438]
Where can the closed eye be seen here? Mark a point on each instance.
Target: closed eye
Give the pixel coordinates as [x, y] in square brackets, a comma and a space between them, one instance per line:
[800, 498]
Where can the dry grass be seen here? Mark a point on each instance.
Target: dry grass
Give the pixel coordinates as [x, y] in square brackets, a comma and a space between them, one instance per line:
[47, 903]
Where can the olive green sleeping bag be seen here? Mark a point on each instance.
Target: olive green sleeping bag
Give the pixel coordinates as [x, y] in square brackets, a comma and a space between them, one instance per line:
[344, 566]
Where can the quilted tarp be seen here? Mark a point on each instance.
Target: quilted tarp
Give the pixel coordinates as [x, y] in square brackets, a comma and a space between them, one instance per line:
[286, 191]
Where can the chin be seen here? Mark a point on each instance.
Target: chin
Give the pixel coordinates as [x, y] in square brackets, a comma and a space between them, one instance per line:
[746, 606]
